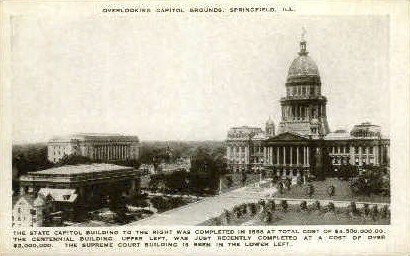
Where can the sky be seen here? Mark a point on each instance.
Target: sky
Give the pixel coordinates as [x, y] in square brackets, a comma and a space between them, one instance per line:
[180, 77]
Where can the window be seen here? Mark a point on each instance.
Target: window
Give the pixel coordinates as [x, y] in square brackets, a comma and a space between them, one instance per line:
[356, 150]
[371, 150]
[19, 210]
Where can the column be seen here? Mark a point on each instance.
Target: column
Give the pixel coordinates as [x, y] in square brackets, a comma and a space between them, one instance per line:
[367, 155]
[388, 154]
[360, 155]
[291, 155]
[264, 155]
[240, 154]
[277, 155]
[297, 155]
[271, 155]
[307, 155]
[351, 155]
[284, 155]
[376, 155]
[246, 160]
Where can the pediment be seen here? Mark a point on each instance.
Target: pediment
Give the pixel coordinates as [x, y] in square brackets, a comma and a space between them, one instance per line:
[288, 136]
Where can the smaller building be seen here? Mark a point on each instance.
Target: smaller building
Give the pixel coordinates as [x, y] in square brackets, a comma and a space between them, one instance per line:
[147, 169]
[97, 147]
[181, 164]
[363, 145]
[244, 147]
[30, 211]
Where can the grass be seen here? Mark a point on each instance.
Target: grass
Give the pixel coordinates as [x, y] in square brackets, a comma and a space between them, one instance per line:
[237, 181]
[295, 216]
[342, 192]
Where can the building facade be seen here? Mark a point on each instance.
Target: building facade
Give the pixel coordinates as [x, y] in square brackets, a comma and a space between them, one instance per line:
[30, 211]
[86, 185]
[97, 147]
[303, 143]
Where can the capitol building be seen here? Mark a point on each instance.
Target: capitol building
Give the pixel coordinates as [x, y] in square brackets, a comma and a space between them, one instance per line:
[303, 143]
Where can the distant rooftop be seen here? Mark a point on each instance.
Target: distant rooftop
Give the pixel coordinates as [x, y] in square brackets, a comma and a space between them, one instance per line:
[94, 136]
[81, 169]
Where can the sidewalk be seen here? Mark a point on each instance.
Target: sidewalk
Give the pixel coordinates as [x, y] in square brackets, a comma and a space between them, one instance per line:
[198, 212]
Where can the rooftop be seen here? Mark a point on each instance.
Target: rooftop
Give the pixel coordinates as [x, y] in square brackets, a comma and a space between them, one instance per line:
[94, 136]
[81, 169]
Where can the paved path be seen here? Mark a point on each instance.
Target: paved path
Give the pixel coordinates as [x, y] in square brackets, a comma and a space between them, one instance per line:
[198, 212]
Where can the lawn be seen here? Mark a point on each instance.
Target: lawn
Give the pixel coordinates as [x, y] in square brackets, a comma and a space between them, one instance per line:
[342, 192]
[237, 181]
[294, 216]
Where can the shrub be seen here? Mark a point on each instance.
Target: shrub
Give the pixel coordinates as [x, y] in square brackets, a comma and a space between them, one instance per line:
[352, 208]
[262, 203]
[272, 205]
[227, 216]
[299, 180]
[366, 209]
[374, 212]
[280, 187]
[267, 216]
[331, 190]
[284, 205]
[288, 183]
[316, 205]
[331, 207]
[275, 179]
[303, 205]
[253, 208]
[384, 212]
[310, 190]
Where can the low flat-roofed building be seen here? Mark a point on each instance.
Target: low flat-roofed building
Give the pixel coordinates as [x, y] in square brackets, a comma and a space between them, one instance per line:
[97, 147]
[91, 182]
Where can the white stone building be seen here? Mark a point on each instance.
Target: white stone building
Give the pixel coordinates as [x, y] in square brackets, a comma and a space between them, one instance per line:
[97, 147]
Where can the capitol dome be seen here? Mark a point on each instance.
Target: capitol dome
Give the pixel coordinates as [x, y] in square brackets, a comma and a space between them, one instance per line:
[303, 66]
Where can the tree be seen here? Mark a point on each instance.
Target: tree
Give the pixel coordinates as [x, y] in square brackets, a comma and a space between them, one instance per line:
[331, 207]
[204, 174]
[229, 181]
[331, 190]
[243, 178]
[280, 187]
[73, 159]
[160, 203]
[310, 190]
[303, 205]
[139, 200]
[288, 183]
[373, 180]
[176, 181]
[284, 205]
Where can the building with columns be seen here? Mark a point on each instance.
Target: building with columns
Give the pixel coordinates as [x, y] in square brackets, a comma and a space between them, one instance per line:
[97, 147]
[304, 144]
